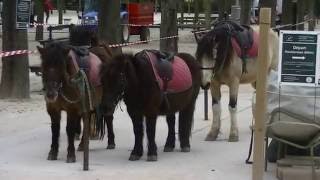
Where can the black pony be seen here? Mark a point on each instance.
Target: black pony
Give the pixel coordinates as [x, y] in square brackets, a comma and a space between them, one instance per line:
[132, 78]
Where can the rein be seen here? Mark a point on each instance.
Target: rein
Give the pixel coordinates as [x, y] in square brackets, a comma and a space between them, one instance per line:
[68, 99]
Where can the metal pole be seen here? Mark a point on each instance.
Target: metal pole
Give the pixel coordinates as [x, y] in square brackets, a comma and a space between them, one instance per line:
[206, 104]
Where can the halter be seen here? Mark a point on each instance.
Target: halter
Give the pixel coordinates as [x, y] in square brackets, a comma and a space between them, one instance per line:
[60, 92]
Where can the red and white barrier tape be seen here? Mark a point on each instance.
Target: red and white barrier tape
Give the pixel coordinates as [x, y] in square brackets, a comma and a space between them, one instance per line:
[20, 52]
[141, 42]
[46, 25]
[17, 52]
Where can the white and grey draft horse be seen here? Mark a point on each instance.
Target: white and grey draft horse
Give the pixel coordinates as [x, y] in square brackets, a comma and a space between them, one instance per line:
[225, 63]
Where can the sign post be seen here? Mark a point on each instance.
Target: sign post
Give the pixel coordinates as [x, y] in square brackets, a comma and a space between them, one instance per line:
[298, 58]
[23, 14]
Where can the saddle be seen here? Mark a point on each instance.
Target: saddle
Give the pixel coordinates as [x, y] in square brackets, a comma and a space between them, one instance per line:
[88, 62]
[243, 39]
[163, 65]
[82, 55]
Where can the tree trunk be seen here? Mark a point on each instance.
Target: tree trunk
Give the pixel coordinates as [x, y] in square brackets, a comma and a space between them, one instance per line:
[245, 14]
[15, 73]
[109, 22]
[168, 26]
[287, 16]
[222, 9]
[311, 8]
[270, 4]
[39, 9]
[207, 9]
[60, 10]
[196, 12]
[300, 14]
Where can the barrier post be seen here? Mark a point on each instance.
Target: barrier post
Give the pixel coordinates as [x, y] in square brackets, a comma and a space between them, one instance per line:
[206, 104]
[259, 131]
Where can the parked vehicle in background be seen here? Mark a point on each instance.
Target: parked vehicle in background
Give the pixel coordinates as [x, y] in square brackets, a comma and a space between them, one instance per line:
[138, 14]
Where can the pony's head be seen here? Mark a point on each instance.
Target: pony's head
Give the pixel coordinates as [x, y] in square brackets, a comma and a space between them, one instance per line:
[114, 76]
[213, 53]
[54, 69]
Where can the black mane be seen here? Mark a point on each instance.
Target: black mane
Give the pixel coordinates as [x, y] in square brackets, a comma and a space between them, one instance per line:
[220, 34]
[55, 55]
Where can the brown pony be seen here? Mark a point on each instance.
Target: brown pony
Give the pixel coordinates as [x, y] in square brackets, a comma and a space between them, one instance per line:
[132, 78]
[62, 94]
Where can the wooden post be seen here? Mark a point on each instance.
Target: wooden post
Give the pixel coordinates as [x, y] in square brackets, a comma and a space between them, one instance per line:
[259, 131]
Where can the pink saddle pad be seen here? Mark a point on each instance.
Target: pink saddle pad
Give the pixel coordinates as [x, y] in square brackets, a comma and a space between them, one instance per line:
[181, 79]
[252, 52]
[94, 65]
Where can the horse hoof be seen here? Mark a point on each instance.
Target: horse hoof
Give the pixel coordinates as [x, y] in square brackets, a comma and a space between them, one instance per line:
[168, 149]
[185, 149]
[71, 159]
[111, 146]
[134, 158]
[233, 138]
[52, 157]
[152, 158]
[211, 137]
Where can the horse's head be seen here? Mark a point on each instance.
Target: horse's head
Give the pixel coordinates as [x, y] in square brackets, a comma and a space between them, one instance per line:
[212, 52]
[54, 69]
[114, 76]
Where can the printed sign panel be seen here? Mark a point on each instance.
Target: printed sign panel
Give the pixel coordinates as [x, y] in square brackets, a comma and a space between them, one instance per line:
[298, 58]
[23, 13]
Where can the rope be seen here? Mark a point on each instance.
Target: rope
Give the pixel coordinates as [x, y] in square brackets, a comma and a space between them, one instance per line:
[83, 85]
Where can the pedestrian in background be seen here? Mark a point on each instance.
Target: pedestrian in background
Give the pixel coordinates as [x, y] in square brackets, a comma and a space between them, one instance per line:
[47, 8]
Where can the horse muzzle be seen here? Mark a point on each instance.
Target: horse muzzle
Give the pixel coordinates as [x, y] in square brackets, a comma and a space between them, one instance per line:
[51, 96]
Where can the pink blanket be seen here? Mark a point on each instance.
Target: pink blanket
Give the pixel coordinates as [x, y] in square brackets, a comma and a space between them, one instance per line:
[252, 52]
[94, 68]
[181, 80]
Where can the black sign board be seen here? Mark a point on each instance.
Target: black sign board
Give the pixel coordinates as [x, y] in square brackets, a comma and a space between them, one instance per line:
[23, 13]
[298, 58]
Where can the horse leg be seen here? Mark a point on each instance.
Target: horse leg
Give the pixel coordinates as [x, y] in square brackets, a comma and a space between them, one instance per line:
[234, 131]
[137, 120]
[170, 143]
[185, 125]
[216, 112]
[78, 129]
[151, 131]
[55, 130]
[109, 121]
[71, 128]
